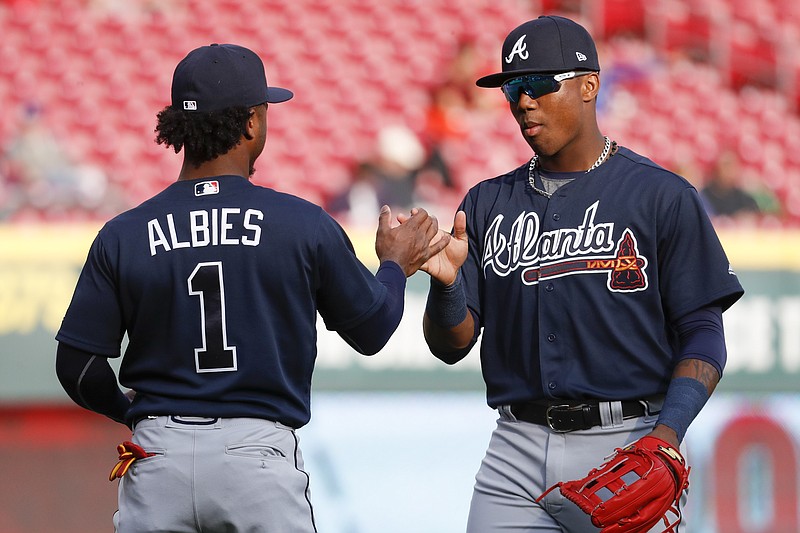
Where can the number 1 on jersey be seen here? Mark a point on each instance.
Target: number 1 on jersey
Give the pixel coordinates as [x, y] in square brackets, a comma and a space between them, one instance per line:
[214, 355]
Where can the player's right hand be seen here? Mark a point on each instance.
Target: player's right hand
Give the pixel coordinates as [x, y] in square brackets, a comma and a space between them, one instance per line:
[412, 243]
[444, 265]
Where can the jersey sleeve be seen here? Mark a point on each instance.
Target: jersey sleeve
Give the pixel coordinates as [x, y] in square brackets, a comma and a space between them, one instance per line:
[371, 335]
[93, 321]
[347, 292]
[695, 271]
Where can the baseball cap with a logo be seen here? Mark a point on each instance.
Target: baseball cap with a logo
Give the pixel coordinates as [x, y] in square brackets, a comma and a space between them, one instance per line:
[547, 45]
[220, 76]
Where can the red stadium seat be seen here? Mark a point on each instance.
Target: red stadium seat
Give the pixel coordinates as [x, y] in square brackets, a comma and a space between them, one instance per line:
[682, 26]
[750, 57]
[619, 17]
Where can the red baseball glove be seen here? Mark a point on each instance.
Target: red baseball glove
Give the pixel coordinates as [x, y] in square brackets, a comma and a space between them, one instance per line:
[634, 489]
[128, 453]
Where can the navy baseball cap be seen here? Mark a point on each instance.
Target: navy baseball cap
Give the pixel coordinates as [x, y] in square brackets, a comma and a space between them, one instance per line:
[546, 45]
[219, 76]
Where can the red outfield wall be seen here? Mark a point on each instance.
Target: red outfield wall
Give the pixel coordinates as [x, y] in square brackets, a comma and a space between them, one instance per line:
[54, 461]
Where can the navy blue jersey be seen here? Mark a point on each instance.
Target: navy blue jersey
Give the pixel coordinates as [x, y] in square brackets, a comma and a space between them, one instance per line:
[576, 294]
[217, 283]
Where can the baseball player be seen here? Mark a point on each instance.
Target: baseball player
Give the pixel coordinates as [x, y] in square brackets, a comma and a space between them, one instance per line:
[596, 281]
[217, 283]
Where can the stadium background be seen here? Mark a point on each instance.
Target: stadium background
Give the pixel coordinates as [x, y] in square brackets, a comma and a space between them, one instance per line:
[394, 440]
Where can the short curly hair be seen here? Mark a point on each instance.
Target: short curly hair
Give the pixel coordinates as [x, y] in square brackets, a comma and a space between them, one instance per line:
[203, 136]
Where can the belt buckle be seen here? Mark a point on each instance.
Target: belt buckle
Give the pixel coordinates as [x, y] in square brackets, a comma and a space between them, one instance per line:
[562, 408]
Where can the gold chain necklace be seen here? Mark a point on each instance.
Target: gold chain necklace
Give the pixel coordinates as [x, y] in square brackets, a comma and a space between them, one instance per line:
[600, 160]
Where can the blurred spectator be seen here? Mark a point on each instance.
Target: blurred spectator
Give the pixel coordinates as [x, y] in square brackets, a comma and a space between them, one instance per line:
[689, 169]
[768, 202]
[452, 102]
[627, 68]
[456, 95]
[40, 176]
[724, 192]
[387, 178]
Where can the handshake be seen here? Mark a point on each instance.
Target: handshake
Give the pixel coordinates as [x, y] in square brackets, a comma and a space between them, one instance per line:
[417, 243]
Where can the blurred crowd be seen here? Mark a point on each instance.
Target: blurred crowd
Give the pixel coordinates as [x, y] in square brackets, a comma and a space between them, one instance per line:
[427, 157]
[41, 179]
[406, 169]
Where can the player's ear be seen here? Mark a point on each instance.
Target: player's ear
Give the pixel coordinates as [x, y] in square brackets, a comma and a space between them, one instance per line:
[251, 125]
[590, 86]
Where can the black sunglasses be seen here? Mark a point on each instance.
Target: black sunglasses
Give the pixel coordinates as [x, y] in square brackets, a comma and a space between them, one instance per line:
[536, 85]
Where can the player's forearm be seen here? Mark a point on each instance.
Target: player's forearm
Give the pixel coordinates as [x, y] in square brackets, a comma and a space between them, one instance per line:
[371, 335]
[692, 383]
[701, 360]
[90, 382]
[700, 371]
[703, 353]
[449, 344]
[448, 325]
[686, 397]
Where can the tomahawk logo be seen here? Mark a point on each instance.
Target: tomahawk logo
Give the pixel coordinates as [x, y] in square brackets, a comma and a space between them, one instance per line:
[627, 273]
[520, 49]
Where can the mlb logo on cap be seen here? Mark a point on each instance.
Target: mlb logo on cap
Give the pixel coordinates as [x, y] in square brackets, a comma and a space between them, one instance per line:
[221, 76]
[206, 187]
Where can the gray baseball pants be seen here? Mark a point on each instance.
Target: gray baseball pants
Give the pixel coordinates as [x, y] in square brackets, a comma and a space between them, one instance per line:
[523, 460]
[221, 475]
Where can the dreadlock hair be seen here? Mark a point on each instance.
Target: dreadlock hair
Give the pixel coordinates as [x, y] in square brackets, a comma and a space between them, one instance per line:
[204, 136]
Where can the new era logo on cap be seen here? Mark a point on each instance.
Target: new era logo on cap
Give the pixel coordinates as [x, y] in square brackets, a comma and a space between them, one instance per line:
[580, 56]
[205, 188]
[190, 105]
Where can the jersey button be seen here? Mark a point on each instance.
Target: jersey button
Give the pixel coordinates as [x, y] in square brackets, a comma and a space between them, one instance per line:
[551, 337]
[552, 385]
[556, 216]
[549, 287]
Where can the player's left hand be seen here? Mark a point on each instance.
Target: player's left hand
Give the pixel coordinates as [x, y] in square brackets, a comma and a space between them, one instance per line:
[411, 243]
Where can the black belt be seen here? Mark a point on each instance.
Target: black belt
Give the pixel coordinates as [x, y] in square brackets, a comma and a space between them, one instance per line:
[571, 416]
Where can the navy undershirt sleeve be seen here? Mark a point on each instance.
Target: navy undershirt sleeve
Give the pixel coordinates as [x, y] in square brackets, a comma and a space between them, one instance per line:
[370, 336]
[90, 382]
[702, 337]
